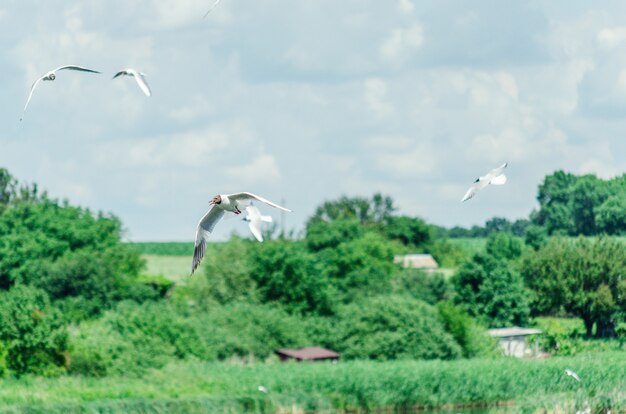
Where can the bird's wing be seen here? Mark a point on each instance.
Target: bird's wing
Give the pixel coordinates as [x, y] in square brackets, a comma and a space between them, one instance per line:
[498, 180]
[141, 81]
[267, 219]
[205, 227]
[471, 192]
[497, 171]
[255, 228]
[118, 74]
[245, 196]
[253, 212]
[211, 9]
[74, 67]
[30, 95]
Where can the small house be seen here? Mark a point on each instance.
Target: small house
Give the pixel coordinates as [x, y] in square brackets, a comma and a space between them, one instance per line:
[513, 341]
[313, 353]
[417, 261]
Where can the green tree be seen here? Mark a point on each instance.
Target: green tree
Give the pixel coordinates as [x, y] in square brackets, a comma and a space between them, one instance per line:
[504, 246]
[410, 231]
[366, 211]
[393, 327]
[581, 277]
[491, 289]
[610, 216]
[32, 332]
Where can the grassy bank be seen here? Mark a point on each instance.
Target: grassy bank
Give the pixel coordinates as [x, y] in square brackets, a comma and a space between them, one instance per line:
[225, 387]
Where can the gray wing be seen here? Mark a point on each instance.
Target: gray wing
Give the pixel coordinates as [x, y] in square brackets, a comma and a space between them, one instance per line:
[205, 228]
[118, 74]
[245, 196]
[211, 9]
[74, 67]
[30, 95]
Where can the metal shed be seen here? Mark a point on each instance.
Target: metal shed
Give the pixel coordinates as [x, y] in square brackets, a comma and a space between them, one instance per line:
[513, 341]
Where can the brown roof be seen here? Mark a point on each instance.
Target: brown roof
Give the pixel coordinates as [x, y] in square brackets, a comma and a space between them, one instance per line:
[313, 352]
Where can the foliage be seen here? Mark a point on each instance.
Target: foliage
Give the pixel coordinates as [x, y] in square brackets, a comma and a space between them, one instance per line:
[428, 287]
[286, 273]
[581, 205]
[472, 337]
[491, 288]
[536, 237]
[366, 211]
[410, 231]
[391, 328]
[566, 336]
[580, 276]
[31, 332]
[504, 246]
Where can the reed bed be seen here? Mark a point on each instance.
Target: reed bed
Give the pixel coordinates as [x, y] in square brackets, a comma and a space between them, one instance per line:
[532, 386]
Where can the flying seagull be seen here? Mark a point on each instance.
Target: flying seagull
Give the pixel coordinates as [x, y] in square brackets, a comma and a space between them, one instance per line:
[211, 9]
[50, 76]
[221, 204]
[254, 219]
[495, 177]
[139, 77]
[572, 374]
[262, 389]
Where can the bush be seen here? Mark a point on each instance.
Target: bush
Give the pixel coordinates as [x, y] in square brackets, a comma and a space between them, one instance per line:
[428, 287]
[31, 332]
[393, 327]
[472, 337]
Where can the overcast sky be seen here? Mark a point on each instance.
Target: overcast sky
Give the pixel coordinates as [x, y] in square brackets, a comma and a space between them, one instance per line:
[306, 100]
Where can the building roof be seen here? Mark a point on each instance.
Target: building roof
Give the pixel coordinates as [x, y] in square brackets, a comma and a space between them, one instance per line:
[309, 353]
[513, 331]
[416, 261]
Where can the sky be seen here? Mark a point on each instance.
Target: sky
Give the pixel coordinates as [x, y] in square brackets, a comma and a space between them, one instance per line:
[305, 101]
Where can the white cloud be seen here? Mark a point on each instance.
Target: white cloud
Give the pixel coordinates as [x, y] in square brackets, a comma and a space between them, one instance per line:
[402, 156]
[376, 97]
[401, 43]
[610, 38]
[406, 6]
[262, 169]
[507, 145]
[601, 168]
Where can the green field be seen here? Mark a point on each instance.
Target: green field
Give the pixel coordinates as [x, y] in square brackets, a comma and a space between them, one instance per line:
[531, 386]
[163, 248]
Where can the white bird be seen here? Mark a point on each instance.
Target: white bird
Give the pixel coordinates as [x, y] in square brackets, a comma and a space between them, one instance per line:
[211, 9]
[262, 389]
[221, 204]
[50, 76]
[572, 374]
[495, 177]
[254, 219]
[139, 77]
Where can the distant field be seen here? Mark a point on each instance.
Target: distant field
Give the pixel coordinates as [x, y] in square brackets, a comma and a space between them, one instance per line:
[163, 248]
[175, 268]
[471, 245]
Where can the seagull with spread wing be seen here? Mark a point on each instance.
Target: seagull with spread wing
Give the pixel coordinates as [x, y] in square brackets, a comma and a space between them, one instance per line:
[221, 204]
[495, 177]
[254, 219]
[50, 76]
[572, 374]
[139, 77]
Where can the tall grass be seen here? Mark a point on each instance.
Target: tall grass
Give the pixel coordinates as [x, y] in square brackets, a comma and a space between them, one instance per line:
[363, 385]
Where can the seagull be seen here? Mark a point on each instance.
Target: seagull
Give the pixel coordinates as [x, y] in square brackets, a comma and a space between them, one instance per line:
[50, 76]
[139, 77]
[254, 219]
[211, 9]
[495, 177]
[221, 204]
[572, 374]
[262, 389]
